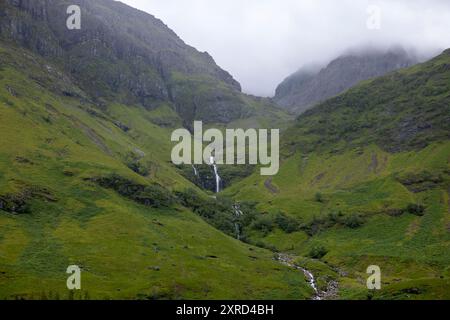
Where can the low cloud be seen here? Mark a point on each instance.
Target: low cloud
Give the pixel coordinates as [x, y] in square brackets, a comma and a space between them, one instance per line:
[260, 42]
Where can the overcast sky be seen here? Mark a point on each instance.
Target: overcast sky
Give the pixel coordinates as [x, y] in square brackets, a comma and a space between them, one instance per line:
[260, 42]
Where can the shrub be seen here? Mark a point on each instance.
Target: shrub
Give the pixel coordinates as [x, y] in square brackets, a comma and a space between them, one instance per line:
[335, 217]
[354, 221]
[134, 162]
[318, 252]
[152, 195]
[263, 223]
[286, 223]
[416, 209]
[319, 197]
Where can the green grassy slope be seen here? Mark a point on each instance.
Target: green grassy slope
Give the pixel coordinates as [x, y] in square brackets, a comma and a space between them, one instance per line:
[52, 215]
[366, 181]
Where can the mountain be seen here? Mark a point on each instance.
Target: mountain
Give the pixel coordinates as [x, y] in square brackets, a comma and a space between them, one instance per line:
[365, 180]
[128, 56]
[85, 172]
[313, 84]
[86, 177]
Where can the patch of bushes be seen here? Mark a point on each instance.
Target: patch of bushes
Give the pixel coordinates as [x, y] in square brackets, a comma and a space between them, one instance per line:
[217, 212]
[318, 252]
[14, 203]
[286, 223]
[134, 162]
[319, 224]
[152, 195]
[354, 221]
[422, 181]
[221, 213]
[416, 209]
[264, 224]
[18, 203]
[332, 219]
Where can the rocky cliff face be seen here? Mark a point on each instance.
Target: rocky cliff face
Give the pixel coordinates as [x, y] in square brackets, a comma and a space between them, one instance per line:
[124, 54]
[312, 85]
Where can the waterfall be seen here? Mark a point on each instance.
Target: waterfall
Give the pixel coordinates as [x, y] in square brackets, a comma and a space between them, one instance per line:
[195, 171]
[288, 261]
[238, 213]
[216, 173]
[237, 210]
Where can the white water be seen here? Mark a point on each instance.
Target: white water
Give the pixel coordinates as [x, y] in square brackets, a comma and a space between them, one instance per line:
[286, 260]
[195, 170]
[212, 160]
[237, 210]
[312, 280]
[238, 213]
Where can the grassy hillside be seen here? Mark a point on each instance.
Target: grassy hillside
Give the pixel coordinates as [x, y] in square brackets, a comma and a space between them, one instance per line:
[365, 180]
[132, 238]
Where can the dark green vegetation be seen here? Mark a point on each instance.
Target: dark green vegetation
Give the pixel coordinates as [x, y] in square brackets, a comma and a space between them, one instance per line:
[203, 176]
[406, 110]
[85, 172]
[93, 186]
[366, 180]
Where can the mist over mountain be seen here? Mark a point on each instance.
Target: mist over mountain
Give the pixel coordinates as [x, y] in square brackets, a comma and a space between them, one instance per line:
[262, 42]
[312, 84]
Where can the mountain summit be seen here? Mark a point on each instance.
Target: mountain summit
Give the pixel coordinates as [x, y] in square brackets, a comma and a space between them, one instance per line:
[311, 84]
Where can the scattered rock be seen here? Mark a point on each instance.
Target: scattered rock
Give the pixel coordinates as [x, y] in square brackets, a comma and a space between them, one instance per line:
[11, 91]
[154, 268]
[269, 186]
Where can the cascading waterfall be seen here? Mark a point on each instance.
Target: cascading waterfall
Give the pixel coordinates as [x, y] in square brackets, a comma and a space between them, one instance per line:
[195, 171]
[288, 261]
[238, 213]
[216, 173]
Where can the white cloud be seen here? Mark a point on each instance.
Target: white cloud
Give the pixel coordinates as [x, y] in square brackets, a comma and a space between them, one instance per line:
[260, 42]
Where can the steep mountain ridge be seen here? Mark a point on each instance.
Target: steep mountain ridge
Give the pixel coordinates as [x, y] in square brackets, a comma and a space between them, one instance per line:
[312, 85]
[126, 55]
